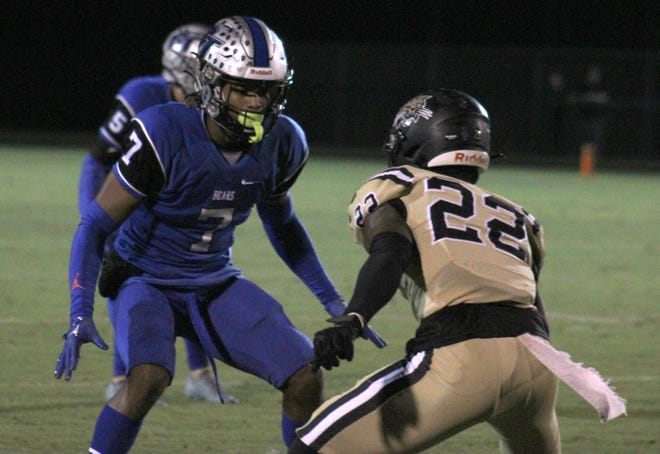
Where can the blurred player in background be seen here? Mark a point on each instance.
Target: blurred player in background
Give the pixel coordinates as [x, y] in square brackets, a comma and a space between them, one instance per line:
[188, 175]
[174, 84]
[469, 262]
[589, 108]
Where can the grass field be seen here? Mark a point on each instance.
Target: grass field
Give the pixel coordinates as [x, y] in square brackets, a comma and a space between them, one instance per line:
[600, 285]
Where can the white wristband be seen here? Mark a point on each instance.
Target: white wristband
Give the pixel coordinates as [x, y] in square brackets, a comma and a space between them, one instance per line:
[360, 317]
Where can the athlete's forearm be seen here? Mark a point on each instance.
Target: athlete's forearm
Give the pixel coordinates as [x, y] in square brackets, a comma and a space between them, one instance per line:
[379, 277]
[292, 243]
[85, 259]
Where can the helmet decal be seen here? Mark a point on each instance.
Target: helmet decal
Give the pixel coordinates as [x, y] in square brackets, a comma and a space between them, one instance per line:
[260, 45]
[412, 111]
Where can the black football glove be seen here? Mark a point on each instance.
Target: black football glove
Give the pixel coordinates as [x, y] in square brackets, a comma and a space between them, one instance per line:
[337, 307]
[335, 343]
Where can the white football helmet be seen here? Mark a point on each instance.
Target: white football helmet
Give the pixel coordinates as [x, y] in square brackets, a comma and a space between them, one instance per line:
[246, 53]
[179, 58]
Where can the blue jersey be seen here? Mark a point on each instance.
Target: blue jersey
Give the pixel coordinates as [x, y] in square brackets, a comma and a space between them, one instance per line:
[193, 198]
[133, 97]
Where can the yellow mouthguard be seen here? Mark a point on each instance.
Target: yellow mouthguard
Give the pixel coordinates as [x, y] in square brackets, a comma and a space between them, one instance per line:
[254, 121]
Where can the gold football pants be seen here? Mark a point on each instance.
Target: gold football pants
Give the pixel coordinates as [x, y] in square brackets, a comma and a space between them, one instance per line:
[422, 400]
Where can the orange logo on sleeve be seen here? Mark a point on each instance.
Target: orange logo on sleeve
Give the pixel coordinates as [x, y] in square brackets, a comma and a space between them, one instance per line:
[76, 284]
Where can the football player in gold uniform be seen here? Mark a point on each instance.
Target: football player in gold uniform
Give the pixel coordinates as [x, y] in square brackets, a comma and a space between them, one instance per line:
[469, 262]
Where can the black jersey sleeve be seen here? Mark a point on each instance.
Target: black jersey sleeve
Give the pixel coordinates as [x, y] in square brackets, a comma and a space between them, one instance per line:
[111, 133]
[139, 165]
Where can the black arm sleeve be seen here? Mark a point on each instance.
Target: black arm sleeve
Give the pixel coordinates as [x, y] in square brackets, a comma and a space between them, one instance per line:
[380, 275]
[106, 150]
[139, 164]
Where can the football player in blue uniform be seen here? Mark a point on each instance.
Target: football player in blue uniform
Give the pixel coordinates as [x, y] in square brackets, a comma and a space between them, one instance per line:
[174, 84]
[188, 175]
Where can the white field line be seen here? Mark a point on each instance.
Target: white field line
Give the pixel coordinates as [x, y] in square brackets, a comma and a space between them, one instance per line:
[592, 319]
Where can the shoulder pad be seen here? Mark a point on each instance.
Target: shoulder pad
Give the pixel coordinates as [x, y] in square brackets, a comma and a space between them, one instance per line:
[379, 189]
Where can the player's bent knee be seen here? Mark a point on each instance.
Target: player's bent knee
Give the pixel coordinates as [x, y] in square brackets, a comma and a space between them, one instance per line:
[150, 373]
[145, 384]
[148, 381]
[305, 382]
[303, 392]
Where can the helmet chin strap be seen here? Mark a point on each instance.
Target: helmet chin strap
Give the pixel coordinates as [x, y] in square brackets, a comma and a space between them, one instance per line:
[255, 122]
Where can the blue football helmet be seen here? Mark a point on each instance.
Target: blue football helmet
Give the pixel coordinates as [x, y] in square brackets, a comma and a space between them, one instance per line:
[245, 53]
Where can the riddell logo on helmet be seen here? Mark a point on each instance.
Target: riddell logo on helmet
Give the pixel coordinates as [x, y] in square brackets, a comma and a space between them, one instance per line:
[261, 72]
[476, 158]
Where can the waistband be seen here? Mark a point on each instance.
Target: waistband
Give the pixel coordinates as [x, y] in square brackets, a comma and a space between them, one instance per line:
[459, 323]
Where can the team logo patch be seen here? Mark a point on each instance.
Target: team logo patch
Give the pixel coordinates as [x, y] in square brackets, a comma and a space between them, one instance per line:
[412, 111]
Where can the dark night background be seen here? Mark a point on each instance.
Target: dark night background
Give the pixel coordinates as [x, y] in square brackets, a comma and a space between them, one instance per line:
[62, 62]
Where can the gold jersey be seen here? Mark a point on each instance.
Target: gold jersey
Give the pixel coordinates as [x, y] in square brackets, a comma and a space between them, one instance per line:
[474, 246]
